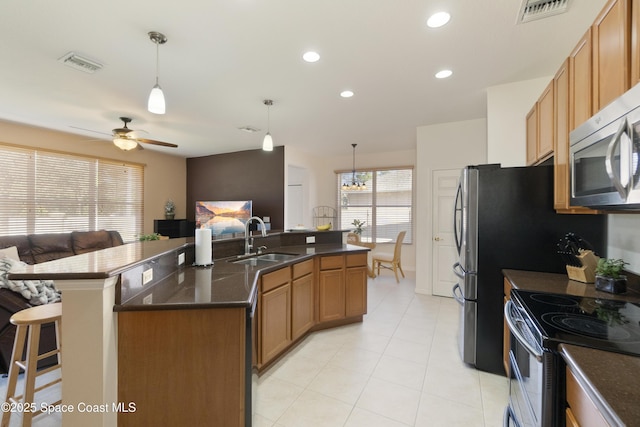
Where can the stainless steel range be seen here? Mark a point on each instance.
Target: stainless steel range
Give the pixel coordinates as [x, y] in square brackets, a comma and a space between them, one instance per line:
[538, 323]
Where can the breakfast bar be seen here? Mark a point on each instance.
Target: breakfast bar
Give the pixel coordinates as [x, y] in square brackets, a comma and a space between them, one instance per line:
[183, 339]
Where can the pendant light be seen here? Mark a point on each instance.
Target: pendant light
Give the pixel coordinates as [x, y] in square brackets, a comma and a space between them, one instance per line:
[267, 142]
[156, 102]
[355, 184]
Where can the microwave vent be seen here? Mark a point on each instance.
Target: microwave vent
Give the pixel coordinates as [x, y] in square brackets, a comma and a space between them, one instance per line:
[531, 10]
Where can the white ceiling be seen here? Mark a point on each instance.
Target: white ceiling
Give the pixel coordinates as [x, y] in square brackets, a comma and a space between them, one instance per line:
[224, 57]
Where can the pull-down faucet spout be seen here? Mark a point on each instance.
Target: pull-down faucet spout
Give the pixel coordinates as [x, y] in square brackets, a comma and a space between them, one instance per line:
[248, 246]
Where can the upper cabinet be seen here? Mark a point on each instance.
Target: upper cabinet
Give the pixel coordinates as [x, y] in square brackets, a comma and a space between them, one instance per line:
[611, 52]
[580, 78]
[540, 128]
[635, 42]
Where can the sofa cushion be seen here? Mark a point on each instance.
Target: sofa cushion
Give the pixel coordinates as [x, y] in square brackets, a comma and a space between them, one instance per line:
[47, 247]
[22, 243]
[89, 241]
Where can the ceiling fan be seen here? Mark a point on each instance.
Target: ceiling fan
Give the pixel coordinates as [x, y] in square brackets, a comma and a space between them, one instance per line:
[126, 139]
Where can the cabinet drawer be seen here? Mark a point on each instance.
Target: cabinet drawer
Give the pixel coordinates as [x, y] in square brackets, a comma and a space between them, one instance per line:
[357, 260]
[275, 279]
[302, 268]
[331, 262]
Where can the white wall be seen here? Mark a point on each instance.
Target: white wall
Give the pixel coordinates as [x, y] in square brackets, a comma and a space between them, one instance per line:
[442, 146]
[507, 108]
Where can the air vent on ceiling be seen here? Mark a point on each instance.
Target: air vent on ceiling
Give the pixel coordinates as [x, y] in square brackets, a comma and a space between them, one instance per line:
[78, 62]
[538, 9]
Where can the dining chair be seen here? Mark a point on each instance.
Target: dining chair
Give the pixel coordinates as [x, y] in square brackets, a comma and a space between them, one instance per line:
[391, 261]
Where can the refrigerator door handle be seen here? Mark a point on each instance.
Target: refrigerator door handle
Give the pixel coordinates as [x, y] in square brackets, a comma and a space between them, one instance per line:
[457, 218]
[459, 271]
[457, 294]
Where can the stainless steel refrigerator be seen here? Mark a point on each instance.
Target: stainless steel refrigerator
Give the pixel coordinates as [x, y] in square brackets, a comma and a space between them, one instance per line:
[504, 219]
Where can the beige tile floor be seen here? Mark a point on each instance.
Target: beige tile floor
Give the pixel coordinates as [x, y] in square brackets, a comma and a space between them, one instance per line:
[399, 368]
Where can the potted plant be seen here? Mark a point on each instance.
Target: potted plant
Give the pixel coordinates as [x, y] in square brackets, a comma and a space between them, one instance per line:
[169, 209]
[609, 277]
[146, 237]
[358, 224]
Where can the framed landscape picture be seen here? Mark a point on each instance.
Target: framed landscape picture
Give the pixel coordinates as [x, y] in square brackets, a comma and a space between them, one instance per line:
[223, 217]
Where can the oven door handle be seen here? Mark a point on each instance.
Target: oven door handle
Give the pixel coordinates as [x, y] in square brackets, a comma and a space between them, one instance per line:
[515, 326]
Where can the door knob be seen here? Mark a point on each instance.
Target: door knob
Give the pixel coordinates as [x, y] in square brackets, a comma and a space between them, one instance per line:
[437, 239]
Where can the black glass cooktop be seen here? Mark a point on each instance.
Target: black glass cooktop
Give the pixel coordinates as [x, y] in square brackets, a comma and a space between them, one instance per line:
[604, 324]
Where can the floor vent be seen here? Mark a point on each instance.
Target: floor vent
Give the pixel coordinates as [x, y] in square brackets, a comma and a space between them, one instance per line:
[78, 62]
[532, 10]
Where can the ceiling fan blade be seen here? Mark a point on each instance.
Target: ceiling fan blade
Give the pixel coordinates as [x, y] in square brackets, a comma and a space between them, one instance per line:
[90, 130]
[154, 142]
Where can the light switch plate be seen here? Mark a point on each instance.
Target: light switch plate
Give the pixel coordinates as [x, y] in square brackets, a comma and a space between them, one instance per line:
[181, 258]
[311, 239]
[147, 276]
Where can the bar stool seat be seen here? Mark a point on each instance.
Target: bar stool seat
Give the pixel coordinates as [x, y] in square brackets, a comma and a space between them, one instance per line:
[29, 322]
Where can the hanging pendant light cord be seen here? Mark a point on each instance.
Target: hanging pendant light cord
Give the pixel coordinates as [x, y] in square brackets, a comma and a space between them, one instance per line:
[157, 60]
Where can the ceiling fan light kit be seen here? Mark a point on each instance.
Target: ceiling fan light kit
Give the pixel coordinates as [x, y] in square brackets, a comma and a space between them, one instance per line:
[156, 103]
[126, 139]
[267, 142]
[125, 144]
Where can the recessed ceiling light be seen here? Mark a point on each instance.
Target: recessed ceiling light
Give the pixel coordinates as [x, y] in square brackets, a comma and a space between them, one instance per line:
[443, 74]
[346, 94]
[311, 56]
[438, 19]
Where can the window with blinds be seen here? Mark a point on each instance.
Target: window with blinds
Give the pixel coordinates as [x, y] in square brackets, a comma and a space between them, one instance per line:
[385, 204]
[49, 192]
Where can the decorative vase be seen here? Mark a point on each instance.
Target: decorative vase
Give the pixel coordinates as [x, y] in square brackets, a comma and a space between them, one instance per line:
[611, 285]
[169, 215]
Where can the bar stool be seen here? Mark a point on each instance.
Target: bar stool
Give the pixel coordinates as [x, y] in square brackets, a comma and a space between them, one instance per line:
[29, 322]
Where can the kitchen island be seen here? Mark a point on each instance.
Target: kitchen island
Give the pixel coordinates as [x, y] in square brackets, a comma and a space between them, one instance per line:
[181, 349]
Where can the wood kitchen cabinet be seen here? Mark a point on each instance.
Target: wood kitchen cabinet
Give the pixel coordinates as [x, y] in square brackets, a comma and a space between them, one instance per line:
[274, 308]
[581, 410]
[635, 42]
[580, 82]
[302, 298]
[611, 52]
[540, 128]
[331, 288]
[356, 285]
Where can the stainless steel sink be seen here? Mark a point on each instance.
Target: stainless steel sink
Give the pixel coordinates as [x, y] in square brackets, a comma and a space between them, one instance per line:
[276, 257]
[264, 259]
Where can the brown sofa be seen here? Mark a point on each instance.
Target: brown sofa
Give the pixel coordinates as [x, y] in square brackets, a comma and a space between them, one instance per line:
[35, 249]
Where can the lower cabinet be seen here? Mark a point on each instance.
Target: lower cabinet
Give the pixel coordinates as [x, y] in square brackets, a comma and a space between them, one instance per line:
[275, 321]
[302, 298]
[342, 283]
[356, 285]
[331, 295]
[581, 410]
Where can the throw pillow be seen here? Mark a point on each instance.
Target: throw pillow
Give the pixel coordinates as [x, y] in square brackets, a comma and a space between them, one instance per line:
[10, 252]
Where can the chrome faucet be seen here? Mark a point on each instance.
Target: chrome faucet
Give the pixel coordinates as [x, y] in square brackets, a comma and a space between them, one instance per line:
[248, 246]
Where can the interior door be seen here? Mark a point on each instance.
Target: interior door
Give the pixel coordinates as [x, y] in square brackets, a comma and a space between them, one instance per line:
[445, 184]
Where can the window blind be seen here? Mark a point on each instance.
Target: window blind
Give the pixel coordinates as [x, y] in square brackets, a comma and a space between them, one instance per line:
[50, 192]
[386, 205]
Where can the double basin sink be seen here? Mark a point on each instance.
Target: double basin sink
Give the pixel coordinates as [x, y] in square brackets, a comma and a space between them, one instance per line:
[265, 259]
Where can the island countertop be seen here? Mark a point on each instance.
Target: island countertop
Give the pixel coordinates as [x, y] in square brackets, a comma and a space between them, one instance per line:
[224, 284]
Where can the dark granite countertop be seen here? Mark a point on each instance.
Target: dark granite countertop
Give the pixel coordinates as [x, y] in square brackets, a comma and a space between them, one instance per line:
[224, 284]
[611, 380]
[561, 284]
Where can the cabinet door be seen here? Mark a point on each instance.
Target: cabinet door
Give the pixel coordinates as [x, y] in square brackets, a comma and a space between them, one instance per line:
[532, 136]
[611, 52]
[635, 42]
[331, 295]
[561, 149]
[544, 147]
[301, 305]
[580, 82]
[275, 326]
[356, 291]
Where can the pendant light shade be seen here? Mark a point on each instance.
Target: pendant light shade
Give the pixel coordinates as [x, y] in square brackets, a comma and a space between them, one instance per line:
[156, 102]
[267, 142]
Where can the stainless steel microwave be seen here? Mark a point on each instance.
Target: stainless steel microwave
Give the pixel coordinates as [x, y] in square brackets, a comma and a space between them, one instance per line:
[604, 156]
